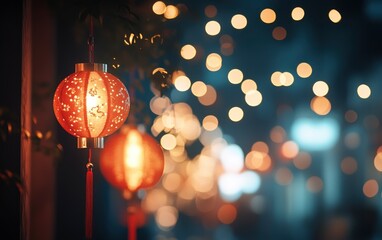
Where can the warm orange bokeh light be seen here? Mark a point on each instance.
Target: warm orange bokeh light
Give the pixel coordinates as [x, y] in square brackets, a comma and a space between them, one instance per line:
[227, 213]
[320, 105]
[289, 149]
[370, 188]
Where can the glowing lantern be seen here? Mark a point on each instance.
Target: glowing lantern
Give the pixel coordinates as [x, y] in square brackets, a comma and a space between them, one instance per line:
[90, 104]
[132, 160]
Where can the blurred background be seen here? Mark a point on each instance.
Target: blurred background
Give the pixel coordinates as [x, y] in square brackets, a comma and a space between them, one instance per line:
[267, 113]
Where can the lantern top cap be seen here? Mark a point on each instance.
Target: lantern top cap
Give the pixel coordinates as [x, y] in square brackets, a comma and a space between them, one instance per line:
[99, 67]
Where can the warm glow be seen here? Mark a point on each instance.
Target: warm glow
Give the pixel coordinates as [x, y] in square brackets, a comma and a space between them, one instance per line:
[210, 123]
[351, 116]
[213, 62]
[260, 146]
[302, 161]
[248, 85]
[171, 12]
[91, 104]
[334, 16]
[210, 11]
[209, 98]
[363, 91]
[279, 33]
[370, 188]
[320, 88]
[268, 16]
[166, 217]
[258, 160]
[378, 161]
[275, 79]
[168, 141]
[172, 182]
[232, 158]
[159, 104]
[298, 13]
[239, 21]
[304, 70]
[278, 134]
[236, 114]
[314, 184]
[159, 7]
[188, 52]
[253, 98]
[349, 165]
[320, 105]
[226, 45]
[286, 79]
[235, 76]
[212, 28]
[289, 149]
[227, 213]
[154, 200]
[182, 83]
[133, 160]
[199, 89]
[284, 176]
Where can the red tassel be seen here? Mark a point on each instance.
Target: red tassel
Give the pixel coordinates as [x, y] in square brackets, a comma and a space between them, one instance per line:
[131, 224]
[89, 204]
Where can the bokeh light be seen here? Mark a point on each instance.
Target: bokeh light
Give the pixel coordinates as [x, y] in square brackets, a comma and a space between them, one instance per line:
[298, 13]
[239, 21]
[268, 15]
[236, 114]
[214, 62]
[302, 161]
[159, 7]
[227, 213]
[349, 165]
[278, 134]
[210, 11]
[212, 28]
[199, 88]
[210, 122]
[188, 52]
[166, 217]
[279, 33]
[168, 141]
[289, 149]
[320, 105]
[171, 12]
[182, 83]
[314, 184]
[253, 98]
[334, 16]
[363, 91]
[351, 116]
[248, 85]
[320, 88]
[235, 76]
[209, 97]
[370, 188]
[283, 176]
[304, 70]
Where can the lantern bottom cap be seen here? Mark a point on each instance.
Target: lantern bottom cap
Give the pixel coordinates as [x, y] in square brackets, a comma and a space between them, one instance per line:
[83, 142]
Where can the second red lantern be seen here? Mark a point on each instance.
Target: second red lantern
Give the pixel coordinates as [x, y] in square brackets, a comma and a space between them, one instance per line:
[132, 160]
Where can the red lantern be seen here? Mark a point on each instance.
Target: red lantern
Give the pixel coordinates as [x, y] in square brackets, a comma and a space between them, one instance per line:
[91, 104]
[132, 160]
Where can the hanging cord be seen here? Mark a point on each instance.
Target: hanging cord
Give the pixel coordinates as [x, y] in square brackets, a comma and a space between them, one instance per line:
[91, 41]
[89, 198]
[131, 223]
